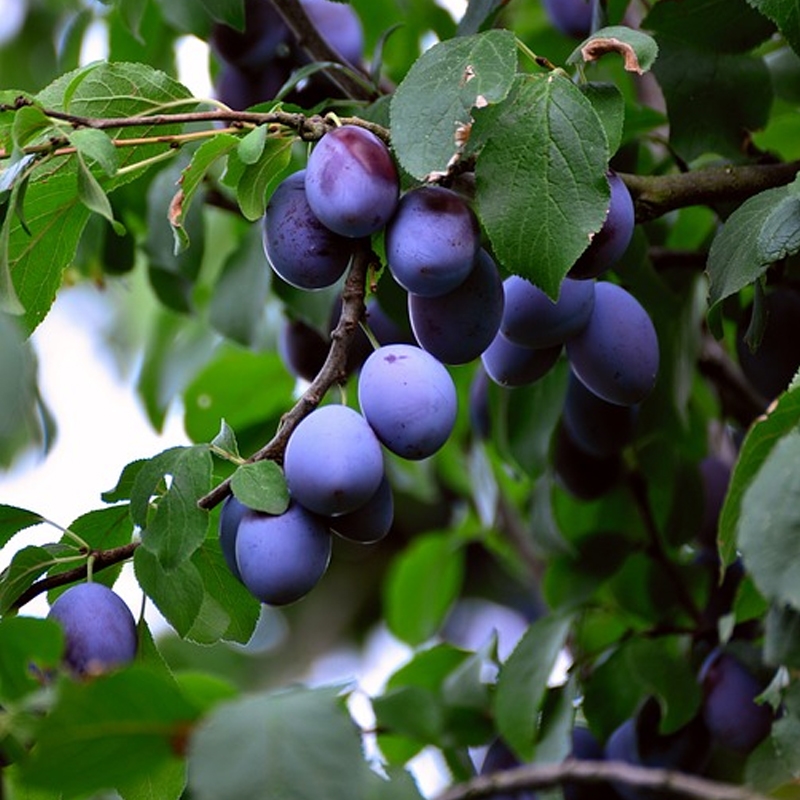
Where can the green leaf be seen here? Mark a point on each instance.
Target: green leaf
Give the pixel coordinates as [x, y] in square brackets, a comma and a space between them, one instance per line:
[96, 146]
[768, 533]
[780, 233]
[225, 441]
[540, 178]
[785, 14]
[203, 159]
[523, 679]
[229, 12]
[176, 527]
[177, 594]
[243, 387]
[240, 608]
[25, 567]
[131, 12]
[759, 443]
[609, 104]
[259, 745]
[261, 486]
[30, 122]
[13, 520]
[477, 14]
[735, 259]
[410, 711]
[436, 562]
[439, 93]
[166, 782]
[251, 146]
[726, 26]
[258, 179]
[638, 50]
[85, 742]
[25, 641]
[734, 92]
[102, 529]
[127, 479]
[91, 194]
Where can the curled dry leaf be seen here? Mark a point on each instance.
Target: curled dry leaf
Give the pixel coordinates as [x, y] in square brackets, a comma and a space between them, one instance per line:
[600, 46]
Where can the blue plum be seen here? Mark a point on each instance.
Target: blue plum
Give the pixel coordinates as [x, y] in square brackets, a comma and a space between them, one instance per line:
[254, 47]
[638, 741]
[585, 747]
[597, 426]
[240, 90]
[333, 461]
[352, 183]
[229, 518]
[385, 328]
[369, 523]
[298, 246]
[616, 355]
[572, 17]
[99, 629]
[730, 711]
[510, 364]
[479, 409]
[339, 25]
[281, 558]
[612, 240]
[715, 475]
[458, 326]
[532, 319]
[408, 399]
[302, 349]
[432, 241]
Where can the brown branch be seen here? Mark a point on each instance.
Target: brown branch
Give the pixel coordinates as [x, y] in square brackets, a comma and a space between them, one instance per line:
[547, 776]
[309, 38]
[333, 371]
[101, 559]
[655, 195]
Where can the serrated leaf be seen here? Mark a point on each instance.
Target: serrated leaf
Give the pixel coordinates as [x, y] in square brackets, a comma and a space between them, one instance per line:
[609, 104]
[637, 49]
[13, 520]
[124, 487]
[785, 14]
[541, 189]
[85, 742]
[175, 527]
[261, 486]
[225, 441]
[768, 531]
[735, 259]
[177, 594]
[203, 159]
[91, 194]
[97, 146]
[440, 91]
[257, 180]
[780, 233]
[523, 679]
[258, 746]
[435, 562]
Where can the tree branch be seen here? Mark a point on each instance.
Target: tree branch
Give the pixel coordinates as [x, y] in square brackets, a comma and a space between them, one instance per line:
[655, 195]
[548, 776]
[101, 559]
[333, 371]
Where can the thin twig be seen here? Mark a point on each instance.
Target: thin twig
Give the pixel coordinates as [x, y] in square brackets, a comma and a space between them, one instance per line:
[333, 371]
[547, 776]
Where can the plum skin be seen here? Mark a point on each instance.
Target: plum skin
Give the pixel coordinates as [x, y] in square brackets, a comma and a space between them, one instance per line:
[409, 400]
[281, 558]
[369, 523]
[511, 364]
[99, 629]
[431, 241]
[299, 248]
[333, 461]
[229, 518]
[571, 17]
[352, 184]
[616, 355]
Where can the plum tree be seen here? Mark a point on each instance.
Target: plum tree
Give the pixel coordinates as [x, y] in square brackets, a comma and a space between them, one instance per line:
[99, 629]
[300, 249]
[409, 400]
[432, 241]
[282, 557]
[333, 461]
[352, 185]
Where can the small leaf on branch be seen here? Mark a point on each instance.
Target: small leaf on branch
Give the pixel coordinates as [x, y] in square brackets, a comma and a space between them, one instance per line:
[638, 50]
[256, 180]
[92, 195]
[26, 566]
[262, 486]
[225, 441]
[13, 520]
[30, 123]
[251, 146]
[96, 146]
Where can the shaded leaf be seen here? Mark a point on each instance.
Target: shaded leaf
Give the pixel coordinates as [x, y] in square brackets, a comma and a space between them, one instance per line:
[262, 486]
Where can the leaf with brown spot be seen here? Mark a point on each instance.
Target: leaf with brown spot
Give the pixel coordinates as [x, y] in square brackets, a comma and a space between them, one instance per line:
[638, 50]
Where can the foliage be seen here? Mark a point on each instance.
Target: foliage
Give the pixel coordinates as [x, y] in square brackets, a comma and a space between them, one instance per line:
[621, 563]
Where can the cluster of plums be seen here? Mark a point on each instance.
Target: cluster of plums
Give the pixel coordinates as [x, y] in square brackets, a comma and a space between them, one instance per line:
[730, 720]
[99, 629]
[258, 61]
